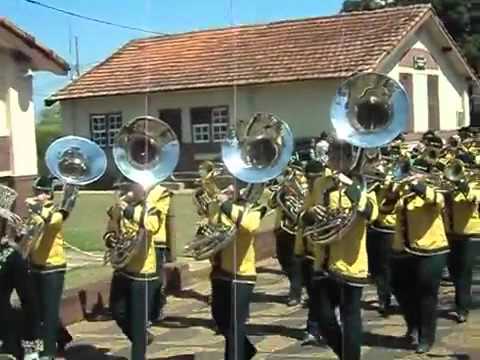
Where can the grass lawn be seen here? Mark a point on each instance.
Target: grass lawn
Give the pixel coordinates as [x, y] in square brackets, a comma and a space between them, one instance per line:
[85, 228]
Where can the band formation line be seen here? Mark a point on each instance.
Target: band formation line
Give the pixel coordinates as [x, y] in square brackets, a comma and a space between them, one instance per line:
[364, 206]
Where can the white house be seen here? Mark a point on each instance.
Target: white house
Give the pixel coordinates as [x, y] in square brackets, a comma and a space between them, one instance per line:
[20, 55]
[200, 82]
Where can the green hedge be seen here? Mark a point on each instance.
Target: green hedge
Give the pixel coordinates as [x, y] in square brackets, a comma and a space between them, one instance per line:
[46, 134]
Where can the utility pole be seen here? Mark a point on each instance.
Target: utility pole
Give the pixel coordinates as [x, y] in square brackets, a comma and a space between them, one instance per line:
[77, 58]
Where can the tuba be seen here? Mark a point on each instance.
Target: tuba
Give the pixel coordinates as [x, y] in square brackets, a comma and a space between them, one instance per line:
[254, 155]
[369, 111]
[146, 151]
[74, 161]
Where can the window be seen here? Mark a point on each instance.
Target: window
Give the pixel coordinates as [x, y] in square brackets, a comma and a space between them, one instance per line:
[209, 124]
[201, 133]
[114, 126]
[219, 123]
[98, 124]
[105, 127]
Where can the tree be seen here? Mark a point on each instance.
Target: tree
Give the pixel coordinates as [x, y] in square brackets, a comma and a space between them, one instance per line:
[455, 15]
[50, 115]
[49, 127]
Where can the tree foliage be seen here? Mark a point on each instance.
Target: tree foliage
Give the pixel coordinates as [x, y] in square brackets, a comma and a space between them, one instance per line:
[455, 14]
[48, 128]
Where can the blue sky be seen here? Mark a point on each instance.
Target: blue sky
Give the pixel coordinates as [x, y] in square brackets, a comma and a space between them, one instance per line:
[97, 41]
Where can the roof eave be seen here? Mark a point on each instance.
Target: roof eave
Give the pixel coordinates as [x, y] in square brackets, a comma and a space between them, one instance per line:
[50, 60]
[53, 99]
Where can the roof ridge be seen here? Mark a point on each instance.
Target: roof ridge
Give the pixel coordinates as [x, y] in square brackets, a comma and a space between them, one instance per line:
[286, 21]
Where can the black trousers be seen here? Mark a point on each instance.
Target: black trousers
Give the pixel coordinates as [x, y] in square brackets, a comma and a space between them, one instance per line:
[307, 276]
[49, 288]
[415, 284]
[460, 266]
[15, 275]
[159, 298]
[285, 244]
[379, 246]
[130, 303]
[230, 310]
[344, 340]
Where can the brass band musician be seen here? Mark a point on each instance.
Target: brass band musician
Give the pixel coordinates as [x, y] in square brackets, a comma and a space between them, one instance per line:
[48, 260]
[420, 249]
[135, 217]
[286, 227]
[15, 275]
[340, 260]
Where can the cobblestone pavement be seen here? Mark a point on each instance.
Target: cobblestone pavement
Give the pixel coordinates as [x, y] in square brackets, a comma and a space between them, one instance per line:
[276, 329]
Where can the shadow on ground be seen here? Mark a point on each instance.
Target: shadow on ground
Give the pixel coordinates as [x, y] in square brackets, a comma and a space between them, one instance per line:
[90, 352]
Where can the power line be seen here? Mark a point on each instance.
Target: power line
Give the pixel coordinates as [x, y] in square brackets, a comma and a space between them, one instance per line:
[70, 13]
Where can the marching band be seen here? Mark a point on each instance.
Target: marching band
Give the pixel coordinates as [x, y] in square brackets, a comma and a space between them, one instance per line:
[368, 206]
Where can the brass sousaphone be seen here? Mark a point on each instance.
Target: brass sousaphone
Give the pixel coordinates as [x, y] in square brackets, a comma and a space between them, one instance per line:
[254, 155]
[73, 161]
[368, 111]
[146, 151]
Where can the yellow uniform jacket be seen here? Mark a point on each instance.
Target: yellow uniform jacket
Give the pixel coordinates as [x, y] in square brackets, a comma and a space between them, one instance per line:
[345, 258]
[420, 228]
[386, 217]
[50, 254]
[462, 212]
[143, 264]
[159, 198]
[237, 260]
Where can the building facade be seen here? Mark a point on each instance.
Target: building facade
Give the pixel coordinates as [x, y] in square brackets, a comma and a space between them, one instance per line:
[20, 56]
[423, 58]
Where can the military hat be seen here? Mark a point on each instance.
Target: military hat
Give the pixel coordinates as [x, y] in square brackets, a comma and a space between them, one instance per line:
[314, 168]
[46, 184]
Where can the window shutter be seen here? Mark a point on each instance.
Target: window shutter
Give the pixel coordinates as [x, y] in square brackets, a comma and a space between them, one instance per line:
[433, 103]
[406, 80]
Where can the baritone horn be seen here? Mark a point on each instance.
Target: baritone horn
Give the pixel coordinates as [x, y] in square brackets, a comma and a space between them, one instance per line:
[254, 155]
[146, 151]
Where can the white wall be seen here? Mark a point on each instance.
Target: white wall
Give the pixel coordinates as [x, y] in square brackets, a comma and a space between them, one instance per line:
[17, 115]
[453, 88]
[304, 105]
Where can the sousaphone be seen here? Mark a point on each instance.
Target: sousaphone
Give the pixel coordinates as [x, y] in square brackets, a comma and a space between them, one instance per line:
[146, 151]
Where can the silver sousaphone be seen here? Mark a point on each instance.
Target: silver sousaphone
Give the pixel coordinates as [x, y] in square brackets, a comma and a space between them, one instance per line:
[261, 152]
[146, 151]
[74, 161]
[254, 155]
[368, 111]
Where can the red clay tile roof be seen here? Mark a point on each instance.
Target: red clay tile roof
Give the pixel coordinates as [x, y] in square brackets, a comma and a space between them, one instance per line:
[30, 41]
[313, 48]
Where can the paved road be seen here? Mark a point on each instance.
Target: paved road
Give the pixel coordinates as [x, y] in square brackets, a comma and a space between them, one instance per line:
[275, 328]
